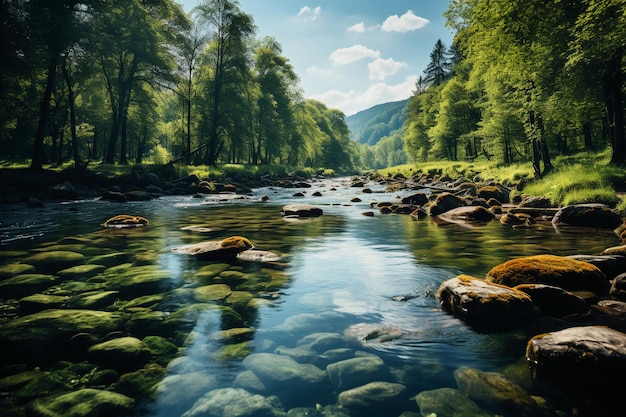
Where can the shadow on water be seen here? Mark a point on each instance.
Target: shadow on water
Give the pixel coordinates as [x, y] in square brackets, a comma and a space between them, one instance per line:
[347, 287]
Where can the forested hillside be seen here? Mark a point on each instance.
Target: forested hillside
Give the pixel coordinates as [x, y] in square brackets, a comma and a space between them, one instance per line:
[371, 125]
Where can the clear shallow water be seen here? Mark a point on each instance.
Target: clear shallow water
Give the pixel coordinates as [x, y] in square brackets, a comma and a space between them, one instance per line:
[341, 274]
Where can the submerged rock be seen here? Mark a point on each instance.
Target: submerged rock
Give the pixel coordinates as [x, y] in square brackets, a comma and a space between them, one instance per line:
[448, 402]
[588, 215]
[226, 249]
[234, 402]
[26, 284]
[122, 354]
[375, 396]
[351, 373]
[301, 210]
[54, 261]
[81, 403]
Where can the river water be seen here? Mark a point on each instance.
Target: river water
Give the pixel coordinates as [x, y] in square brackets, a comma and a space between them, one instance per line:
[366, 283]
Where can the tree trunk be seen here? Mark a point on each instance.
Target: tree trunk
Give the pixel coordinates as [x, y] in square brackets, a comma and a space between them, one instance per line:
[71, 101]
[44, 112]
[587, 131]
[614, 100]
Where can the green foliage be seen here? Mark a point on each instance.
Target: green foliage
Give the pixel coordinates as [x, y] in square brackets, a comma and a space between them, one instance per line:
[159, 155]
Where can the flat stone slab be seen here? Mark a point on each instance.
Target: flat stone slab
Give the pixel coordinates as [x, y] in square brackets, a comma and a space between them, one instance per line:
[302, 210]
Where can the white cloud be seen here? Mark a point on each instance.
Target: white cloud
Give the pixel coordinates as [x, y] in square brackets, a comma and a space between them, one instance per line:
[310, 14]
[353, 53]
[315, 70]
[405, 23]
[353, 101]
[382, 68]
[358, 28]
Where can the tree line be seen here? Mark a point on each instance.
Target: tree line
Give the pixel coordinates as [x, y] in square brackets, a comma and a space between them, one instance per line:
[121, 80]
[523, 81]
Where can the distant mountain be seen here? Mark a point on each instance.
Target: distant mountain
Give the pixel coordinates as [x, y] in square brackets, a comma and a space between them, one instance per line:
[371, 125]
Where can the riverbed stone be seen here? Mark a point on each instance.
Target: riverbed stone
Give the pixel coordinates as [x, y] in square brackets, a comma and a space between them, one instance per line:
[53, 261]
[554, 301]
[377, 396]
[82, 403]
[560, 271]
[26, 284]
[484, 305]
[182, 389]
[234, 402]
[444, 202]
[579, 356]
[320, 342]
[93, 300]
[140, 280]
[81, 271]
[109, 259]
[467, 215]
[215, 292]
[122, 354]
[16, 268]
[517, 219]
[618, 287]
[497, 393]
[284, 377]
[302, 210]
[23, 336]
[588, 215]
[351, 373]
[226, 249]
[448, 402]
[610, 265]
[39, 302]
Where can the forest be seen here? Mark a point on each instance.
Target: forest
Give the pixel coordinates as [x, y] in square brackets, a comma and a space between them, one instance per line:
[137, 81]
[523, 81]
[119, 81]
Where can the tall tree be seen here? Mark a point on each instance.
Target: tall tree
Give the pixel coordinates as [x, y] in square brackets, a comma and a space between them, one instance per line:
[439, 67]
[230, 32]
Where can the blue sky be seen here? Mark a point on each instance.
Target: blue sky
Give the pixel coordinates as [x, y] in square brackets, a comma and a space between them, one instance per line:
[352, 54]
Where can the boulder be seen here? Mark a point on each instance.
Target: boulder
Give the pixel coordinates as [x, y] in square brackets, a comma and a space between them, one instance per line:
[351, 373]
[39, 302]
[517, 219]
[226, 249]
[497, 192]
[443, 203]
[26, 284]
[83, 402]
[376, 397]
[124, 221]
[301, 210]
[24, 335]
[418, 199]
[588, 215]
[610, 265]
[554, 301]
[54, 260]
[234, 402]
[123, 354]
[497, 393]
[467, 215]
[579, 356]
[618, 287]
[560, 271]
[448, 402]
[484, 305]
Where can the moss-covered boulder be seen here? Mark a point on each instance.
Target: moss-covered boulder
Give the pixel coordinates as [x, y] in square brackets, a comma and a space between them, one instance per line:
[16, 268]
[86, 402]
[47, 335]
[444, 202]
[588, 215]
[517, 219]
[226, 249]
[484, 305]
[140, 280]
[378, 397]
[448, 402]
[497, 192]
[559, 271]
[39, 302]
[497, 393]
[215, 292]
[53, 261]
[123, 354]
[81, 271]
[123, 221]
[26, 284]
[93, 300]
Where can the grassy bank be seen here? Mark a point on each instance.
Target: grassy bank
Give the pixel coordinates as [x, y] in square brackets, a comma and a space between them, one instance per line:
[581, 178]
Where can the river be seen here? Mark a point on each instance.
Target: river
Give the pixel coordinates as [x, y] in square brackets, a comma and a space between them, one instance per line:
[365, 285]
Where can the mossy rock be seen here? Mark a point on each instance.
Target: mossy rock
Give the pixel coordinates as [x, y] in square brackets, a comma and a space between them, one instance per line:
[559, 271]
[226, 249]
[215, 292]
[232, 352]
[22, 338]
[81, 403]
[39, 302]
[109, 259]
[141, 384]
[124, 221]
[122, 354]
[93, 300]
[26, 284]
[444, 202]
[81, 271]
[485, 305]
[588, 215]
[17, 268]
[140, 280]
[54, 261]
[494, 191]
